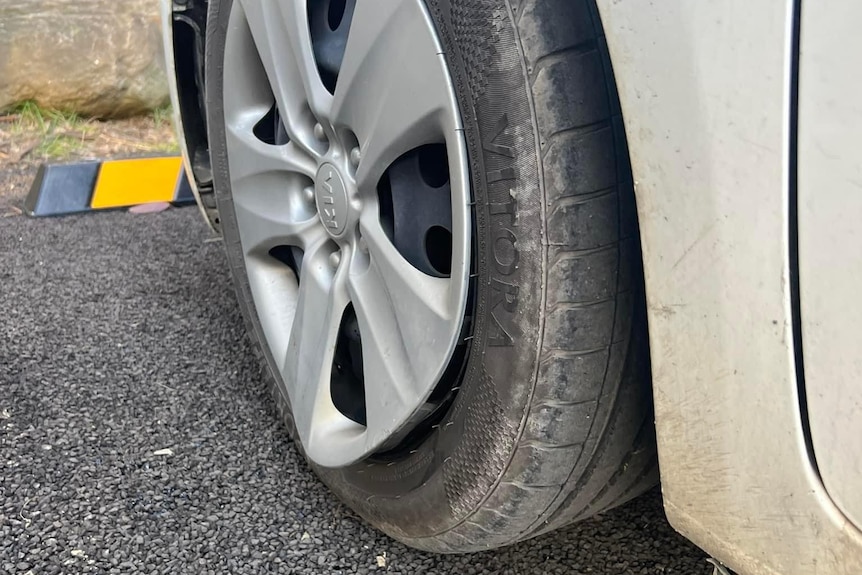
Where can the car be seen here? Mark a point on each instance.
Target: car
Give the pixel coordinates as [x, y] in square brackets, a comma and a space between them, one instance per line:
[510, 263]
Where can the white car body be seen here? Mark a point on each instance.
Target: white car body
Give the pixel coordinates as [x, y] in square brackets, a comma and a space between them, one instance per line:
[707, 90]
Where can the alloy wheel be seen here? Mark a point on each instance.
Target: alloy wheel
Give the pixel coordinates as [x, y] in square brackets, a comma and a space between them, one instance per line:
[350, 184]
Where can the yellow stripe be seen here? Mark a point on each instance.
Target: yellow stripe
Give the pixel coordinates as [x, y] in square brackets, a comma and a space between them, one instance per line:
[140, 181]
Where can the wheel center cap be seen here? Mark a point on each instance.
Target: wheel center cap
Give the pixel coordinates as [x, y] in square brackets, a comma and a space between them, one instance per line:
[330, 195]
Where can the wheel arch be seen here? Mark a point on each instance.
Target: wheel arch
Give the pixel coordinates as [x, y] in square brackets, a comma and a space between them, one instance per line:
[184, 36]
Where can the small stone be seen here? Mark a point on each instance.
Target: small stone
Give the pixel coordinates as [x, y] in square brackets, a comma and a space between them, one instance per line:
[149, 208]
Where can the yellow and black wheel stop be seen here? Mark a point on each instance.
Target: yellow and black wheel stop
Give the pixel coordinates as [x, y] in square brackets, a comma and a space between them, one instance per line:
[61, 189]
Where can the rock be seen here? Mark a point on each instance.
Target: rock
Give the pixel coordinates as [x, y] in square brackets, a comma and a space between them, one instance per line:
[100, 58]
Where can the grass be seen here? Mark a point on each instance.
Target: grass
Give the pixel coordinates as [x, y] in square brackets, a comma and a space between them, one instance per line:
[170, 147]
[31, 115]
[61, 133]
[162, 116]
[59, 147]
[47, 134]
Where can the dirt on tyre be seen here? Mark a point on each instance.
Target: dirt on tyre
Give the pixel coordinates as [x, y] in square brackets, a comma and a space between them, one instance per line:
[429, 215]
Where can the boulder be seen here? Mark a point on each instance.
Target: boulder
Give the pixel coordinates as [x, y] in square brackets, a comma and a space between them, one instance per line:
[100, 58]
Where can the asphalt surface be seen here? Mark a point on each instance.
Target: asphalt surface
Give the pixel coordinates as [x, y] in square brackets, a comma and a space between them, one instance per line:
[120, 339]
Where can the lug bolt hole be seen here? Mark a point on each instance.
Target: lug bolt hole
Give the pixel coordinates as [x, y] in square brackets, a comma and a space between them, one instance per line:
[438, 249]
[335, 14]
[434, 165]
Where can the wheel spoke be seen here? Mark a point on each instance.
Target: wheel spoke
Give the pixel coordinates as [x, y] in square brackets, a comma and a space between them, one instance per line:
[307, 366]
[249, 156]
[392, 87]
[406, 330]
[281, 35]
[266, 220]
[391, 386]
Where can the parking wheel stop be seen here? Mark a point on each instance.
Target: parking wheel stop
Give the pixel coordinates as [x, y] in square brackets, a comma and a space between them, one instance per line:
[61, 189]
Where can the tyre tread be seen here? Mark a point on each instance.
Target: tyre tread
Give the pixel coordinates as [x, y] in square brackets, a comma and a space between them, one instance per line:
[615, 459]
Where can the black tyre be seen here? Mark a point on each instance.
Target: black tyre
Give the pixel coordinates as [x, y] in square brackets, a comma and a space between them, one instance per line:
[543, 416]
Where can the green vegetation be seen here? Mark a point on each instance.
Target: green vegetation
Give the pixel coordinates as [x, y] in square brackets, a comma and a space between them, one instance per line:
[168, 147]
[31, 115]
[58, 146]
[56, 135]
[62, 133]
[162, 116]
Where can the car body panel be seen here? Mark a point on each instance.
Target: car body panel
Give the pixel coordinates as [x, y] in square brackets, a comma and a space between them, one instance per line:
[830, 242]
[706, 96]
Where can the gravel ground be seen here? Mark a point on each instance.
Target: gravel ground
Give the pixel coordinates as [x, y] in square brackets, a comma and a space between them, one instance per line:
[136, 435]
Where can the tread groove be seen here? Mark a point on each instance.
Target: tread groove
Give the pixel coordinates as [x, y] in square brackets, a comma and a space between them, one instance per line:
[574, 305]
[580, 199]
[544, 445]
[553, 56]
[556, 403]
[562, 253]
[550, 355]
[528, 486]
[576, 131]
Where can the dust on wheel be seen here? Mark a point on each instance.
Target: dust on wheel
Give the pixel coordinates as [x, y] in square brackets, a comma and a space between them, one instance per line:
[430, 225]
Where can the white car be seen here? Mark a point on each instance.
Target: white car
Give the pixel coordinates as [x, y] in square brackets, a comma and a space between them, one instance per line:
[502, 258]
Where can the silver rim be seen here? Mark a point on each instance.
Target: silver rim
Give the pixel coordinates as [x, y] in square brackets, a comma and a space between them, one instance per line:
[319, 245]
